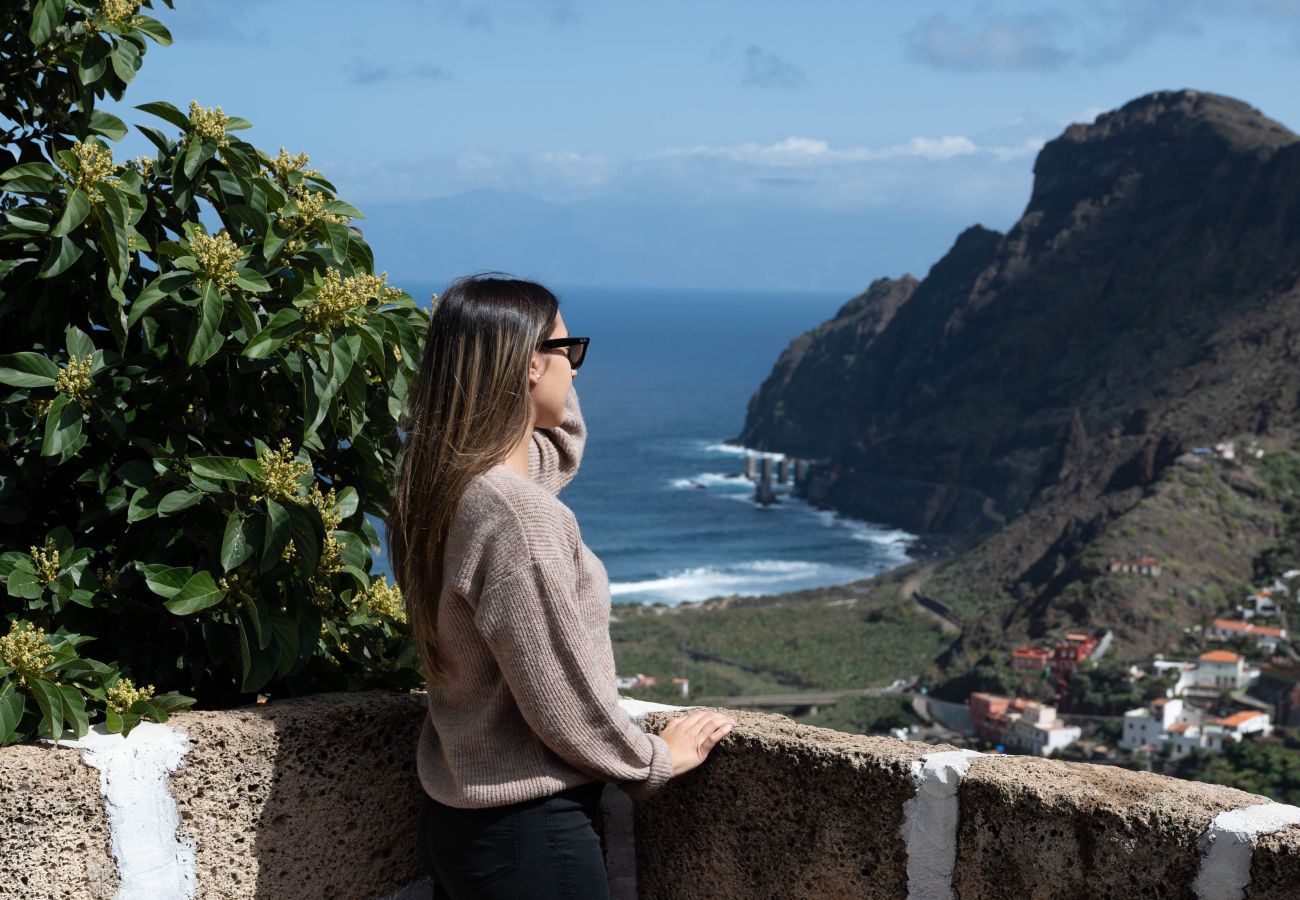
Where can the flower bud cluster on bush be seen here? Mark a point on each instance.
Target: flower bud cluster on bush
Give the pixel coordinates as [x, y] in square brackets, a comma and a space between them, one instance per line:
[201, 377]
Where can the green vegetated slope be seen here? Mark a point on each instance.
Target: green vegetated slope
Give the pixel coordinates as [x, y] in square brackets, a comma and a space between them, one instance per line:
[828, 639]
[1218, 528]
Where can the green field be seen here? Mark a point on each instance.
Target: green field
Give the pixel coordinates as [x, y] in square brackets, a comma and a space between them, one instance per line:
[847, 636]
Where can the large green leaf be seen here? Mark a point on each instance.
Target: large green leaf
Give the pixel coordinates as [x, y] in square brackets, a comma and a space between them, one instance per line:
[73, 214]
[251, 281]
[199, 151]
[164, 110]
[167, 581]
[220, 468]
[94, 59]
[199, 593]
[12, 707]
[308, 534]
[144, 502]
[107, 124]
[235, 547]
[28, 369]
[24, 584]
[176, 501]
[277, 533]
[47, 15]
[63, 253]
[42, 171]
[31, 218]
[257, 665]
[74, 710]
[62, 426]
[153, 28]
[207, 338]
[78, 342]
[259, 617]
[50, 703]
[283, 325]
[285, 631]
[125, 60]
[165, 285]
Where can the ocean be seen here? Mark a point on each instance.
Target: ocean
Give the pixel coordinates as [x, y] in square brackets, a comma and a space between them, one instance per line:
[660, 497]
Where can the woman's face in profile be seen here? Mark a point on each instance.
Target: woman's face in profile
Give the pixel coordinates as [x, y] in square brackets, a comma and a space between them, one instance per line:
[551, 376]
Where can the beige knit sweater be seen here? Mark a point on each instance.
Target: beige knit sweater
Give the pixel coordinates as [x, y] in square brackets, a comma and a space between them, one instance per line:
[530, 706]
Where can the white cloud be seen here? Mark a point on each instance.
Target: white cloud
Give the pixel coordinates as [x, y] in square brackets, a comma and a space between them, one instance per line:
[802, 151]
[948, 173]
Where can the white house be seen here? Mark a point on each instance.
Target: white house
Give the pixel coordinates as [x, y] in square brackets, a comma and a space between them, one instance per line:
[1149, 726]
[1261, 604]
[1223, 670]
[1184, 729]
[1037, 730]
[1238, 725]
[1265, 637]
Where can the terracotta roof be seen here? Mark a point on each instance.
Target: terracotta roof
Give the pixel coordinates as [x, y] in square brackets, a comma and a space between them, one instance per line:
[1246, 627]
[1178, 727]
[1239, 718]
[1160, 701]
[1220, 656]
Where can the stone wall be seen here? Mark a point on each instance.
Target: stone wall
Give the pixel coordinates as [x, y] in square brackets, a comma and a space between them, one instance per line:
[318, 797]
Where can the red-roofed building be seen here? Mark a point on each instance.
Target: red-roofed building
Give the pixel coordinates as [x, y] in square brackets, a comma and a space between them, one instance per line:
[1183, 729]
[1223, 670]
[1264, 636]
[1238, 725]
[1031, 658]
[1017, 722]
[1070, 652]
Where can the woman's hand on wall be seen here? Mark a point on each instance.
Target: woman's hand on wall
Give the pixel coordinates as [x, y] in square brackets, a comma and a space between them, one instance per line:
[691, 737]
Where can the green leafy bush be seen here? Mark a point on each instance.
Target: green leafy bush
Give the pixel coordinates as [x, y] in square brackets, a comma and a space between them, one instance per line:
[202, 381]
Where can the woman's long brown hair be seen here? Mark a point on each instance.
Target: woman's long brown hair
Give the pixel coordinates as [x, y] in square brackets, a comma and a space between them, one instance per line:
[469, 408]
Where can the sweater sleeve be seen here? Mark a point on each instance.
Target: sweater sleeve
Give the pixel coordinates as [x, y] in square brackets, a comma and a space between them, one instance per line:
[554, 453]
[528, 618]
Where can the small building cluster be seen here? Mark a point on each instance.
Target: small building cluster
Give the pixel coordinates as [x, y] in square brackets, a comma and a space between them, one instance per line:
[1167, 721]
[1020, 724]
[1226, 451]
[1265, 637]
[638, 681]
[1213, 673]
[1064, 658]
[1172, 722]
[1142, 565]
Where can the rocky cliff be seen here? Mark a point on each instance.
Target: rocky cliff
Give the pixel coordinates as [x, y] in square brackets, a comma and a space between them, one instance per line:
[1146, 301]
[1033, 400]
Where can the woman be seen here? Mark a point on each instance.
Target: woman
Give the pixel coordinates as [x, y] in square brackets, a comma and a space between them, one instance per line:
[510, 609]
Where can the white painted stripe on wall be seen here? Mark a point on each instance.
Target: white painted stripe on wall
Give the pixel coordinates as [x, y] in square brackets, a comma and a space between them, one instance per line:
[152, 861]
[637, 709]
[1228, 844]
[930, 823]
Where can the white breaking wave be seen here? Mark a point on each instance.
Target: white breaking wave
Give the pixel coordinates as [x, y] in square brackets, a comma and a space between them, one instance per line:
[742, 489]
[754, 578]
[740, 450]
[715, 479]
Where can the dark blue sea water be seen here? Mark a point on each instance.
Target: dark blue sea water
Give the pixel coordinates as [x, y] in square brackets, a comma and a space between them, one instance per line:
[666, 381]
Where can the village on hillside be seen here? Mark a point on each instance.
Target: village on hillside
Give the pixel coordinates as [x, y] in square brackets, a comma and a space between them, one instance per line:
[1246, 680]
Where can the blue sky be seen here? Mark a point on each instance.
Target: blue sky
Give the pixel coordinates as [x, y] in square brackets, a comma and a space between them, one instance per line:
[710, 143]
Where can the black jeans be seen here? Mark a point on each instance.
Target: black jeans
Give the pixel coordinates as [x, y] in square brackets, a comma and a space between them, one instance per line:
[542, 849]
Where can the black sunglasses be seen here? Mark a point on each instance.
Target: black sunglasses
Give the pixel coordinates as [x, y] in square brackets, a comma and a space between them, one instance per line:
[577, 348]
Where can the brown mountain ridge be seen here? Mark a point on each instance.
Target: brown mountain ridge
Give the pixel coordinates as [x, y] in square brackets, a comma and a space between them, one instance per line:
[1036, 387]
